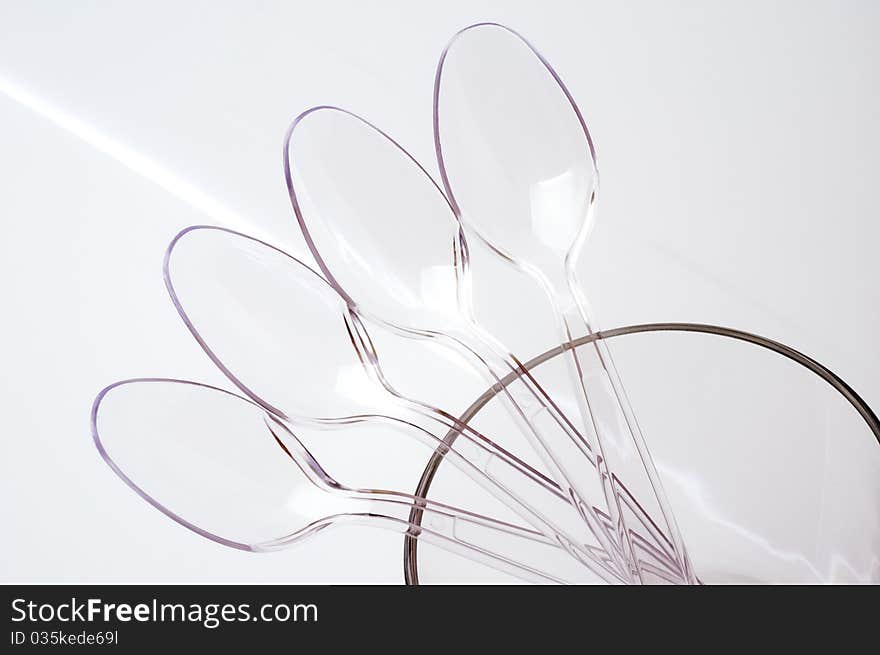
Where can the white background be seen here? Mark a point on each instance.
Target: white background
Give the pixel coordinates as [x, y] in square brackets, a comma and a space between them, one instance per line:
[738, 143]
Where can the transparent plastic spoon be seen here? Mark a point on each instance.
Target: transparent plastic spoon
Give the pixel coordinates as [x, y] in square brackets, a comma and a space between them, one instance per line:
[284, 336]
[519, 166]
[220, 465]
[386, 238]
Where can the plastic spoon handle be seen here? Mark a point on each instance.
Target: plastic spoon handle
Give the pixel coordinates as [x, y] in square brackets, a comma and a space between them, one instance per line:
[549, 431]
[525, 492]
[501, 473]
[500, 544]
[470, 551]
[532, 498]
[609, 414]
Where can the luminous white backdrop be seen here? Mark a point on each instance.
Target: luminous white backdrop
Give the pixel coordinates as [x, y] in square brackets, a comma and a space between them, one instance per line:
[737, 143]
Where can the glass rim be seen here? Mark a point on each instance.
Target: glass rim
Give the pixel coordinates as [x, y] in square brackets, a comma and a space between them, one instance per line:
[410, 547]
